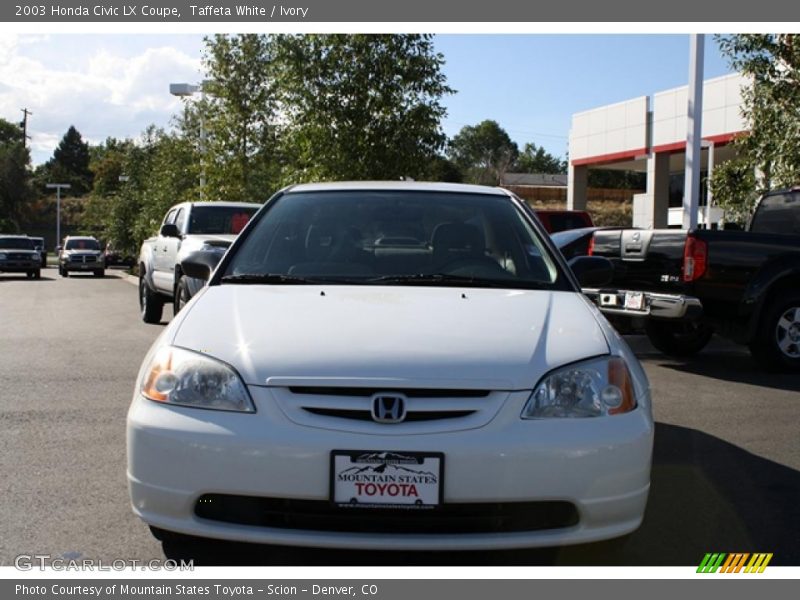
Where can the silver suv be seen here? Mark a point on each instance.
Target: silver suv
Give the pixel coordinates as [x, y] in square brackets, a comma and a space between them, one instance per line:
[81, 253]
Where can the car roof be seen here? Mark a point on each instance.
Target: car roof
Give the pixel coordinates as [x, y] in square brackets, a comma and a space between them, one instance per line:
[415, 186]
[14, 235]
[81, 237]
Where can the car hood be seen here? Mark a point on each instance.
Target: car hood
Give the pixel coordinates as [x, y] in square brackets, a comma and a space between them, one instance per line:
[18, 251]
[197, 240]
[390, 336]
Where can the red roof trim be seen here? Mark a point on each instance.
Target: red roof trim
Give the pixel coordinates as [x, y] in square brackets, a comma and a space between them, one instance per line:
[719, 140]
[609, 158]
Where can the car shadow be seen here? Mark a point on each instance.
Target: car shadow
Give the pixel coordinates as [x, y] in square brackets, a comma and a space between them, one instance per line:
[23, 277]
[707, 495]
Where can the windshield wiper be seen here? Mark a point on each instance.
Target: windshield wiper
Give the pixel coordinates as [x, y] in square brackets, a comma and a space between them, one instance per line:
[245, 278]
[445, 279]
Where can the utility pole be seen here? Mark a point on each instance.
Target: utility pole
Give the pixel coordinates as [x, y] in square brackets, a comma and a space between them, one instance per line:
[58, 187]
[24, 125]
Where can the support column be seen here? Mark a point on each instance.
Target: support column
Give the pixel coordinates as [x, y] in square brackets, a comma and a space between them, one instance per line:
[658, 188]
[577, 186]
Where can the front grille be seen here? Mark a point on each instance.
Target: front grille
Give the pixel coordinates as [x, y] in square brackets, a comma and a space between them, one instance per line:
[19, 256]
[366, 415]
[407, 392]
[83, 258]
[317, 515]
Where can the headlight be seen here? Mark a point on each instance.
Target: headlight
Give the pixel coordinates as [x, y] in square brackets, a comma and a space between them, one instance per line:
[592, 388]
[177, 376]
[3, 256]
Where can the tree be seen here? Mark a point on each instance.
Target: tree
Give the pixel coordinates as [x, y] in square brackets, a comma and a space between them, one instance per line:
[240, 117]
[483, 152]
[359, 106]
[15, 188]
[535, 159]
[69, 164]
[771, 147]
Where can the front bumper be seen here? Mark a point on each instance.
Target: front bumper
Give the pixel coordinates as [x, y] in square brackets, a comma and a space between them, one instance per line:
[19, 266]
[81, 266]
[653, 304]
[601, 466]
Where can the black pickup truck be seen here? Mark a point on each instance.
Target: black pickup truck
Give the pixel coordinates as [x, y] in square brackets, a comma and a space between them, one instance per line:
[683, 286]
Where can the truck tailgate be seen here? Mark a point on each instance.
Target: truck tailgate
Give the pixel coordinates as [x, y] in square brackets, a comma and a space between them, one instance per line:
[646, 260]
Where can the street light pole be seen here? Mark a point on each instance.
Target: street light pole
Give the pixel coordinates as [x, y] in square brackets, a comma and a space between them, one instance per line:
[184, 90]
[58, 187]
[691, 184]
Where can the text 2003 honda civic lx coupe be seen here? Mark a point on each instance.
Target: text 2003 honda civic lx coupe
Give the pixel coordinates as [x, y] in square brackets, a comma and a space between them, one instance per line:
[391, 365]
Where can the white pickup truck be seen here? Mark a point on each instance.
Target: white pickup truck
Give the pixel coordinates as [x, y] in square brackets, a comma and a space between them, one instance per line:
[187, 227]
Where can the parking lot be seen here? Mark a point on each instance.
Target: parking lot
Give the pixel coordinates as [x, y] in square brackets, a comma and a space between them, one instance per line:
[726, 473]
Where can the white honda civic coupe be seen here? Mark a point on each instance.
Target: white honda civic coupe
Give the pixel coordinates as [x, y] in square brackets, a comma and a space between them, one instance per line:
[392, 365]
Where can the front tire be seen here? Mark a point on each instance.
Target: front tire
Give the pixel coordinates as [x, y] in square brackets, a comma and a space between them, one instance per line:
[63, 272]
[100, 273]
[678, 338]
[150, 303]
[182, 294]
[777, 343]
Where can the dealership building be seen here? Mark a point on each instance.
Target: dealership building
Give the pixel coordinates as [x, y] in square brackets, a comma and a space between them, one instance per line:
[648, 135]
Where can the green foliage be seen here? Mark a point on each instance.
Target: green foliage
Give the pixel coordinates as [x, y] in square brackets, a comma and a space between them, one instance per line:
[771, 107]
[359, 106]
[69, 164]
[535, 159]
[275, 110]
[735, 190]
[15, 188]
[483, 152]
[239, 112]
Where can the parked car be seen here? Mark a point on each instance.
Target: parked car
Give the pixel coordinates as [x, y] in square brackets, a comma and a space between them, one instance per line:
[563, 220]
[82, 254]
[18, 255]
[186, 228]
[38, 243]
[115, 257]
[685, 285]
[391, 365]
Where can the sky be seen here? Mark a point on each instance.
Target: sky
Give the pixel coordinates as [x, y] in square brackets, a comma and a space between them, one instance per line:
[531, 84]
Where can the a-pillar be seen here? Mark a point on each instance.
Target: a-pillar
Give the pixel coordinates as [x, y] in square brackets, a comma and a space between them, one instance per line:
[658, 188]
[577, 186]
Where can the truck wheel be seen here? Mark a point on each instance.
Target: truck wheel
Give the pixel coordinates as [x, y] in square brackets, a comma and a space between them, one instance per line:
[777, 343]
[182, 294]
[150, 303]
[680, 338]
[37, 274]
[100, 273]
[63, 272]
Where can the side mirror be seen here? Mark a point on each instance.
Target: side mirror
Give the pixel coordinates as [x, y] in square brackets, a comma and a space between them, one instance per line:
[201, 264]
[592, 271]
[170, 230]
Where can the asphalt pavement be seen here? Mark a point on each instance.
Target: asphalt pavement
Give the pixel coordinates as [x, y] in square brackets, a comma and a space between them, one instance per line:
[726, 473]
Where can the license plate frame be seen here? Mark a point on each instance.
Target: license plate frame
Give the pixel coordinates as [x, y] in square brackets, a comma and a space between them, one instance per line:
[369, 468]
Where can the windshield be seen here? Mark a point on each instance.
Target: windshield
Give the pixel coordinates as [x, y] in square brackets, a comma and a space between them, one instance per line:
[393, 237]
[82, 245]
[778, 213]
[220, 219]
[17, 243]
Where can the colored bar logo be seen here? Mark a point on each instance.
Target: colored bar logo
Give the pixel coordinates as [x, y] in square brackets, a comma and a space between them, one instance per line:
[734, 563]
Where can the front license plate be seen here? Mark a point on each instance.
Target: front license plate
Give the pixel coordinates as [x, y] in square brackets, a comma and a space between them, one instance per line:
[634, 300]
[366, 478]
